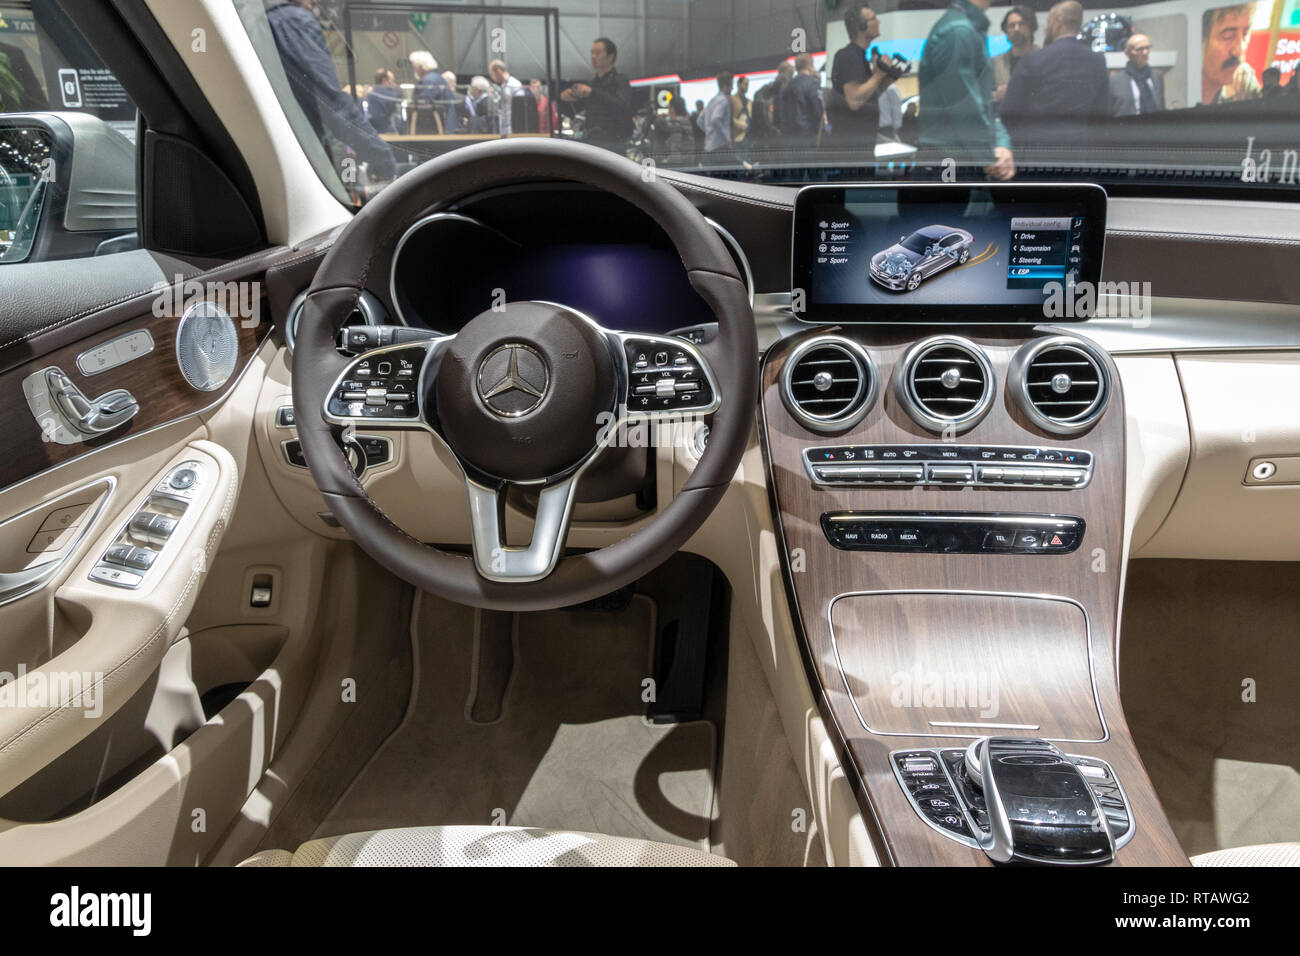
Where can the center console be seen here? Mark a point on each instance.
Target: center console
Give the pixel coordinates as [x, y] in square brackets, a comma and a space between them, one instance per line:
[950, 511]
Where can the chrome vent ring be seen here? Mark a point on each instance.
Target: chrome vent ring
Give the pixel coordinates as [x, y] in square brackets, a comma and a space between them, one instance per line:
[945, 382]
[1061, 383]
[828, 383]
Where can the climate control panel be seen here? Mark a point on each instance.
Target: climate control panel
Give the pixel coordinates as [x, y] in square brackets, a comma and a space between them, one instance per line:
[949, 464]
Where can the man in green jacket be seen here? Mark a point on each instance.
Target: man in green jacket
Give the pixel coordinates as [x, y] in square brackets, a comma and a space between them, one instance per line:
[956, 81]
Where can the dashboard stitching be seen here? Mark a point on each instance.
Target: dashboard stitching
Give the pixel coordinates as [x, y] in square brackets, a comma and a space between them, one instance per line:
[730, 194]
[1202, 237]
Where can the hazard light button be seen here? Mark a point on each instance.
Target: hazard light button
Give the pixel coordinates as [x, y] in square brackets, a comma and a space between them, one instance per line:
[1059, 540]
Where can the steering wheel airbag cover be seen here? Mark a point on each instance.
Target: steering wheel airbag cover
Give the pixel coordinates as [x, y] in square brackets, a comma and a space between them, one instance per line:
[515, 434]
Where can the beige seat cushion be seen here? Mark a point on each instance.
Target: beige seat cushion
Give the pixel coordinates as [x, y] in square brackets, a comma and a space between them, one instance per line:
[484, 846]
[1264, 854]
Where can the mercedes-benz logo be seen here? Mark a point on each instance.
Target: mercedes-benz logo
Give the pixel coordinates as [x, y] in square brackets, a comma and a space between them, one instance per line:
[512, 380]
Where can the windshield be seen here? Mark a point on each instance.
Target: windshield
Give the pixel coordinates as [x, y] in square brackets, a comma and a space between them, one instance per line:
[1172, 94]
[917, 242]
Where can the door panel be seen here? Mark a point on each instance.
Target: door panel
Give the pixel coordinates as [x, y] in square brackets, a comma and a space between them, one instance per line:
[171, 699]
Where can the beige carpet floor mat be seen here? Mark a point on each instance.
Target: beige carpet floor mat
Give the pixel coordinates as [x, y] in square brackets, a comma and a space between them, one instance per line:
[565, 746]
[1227, 770]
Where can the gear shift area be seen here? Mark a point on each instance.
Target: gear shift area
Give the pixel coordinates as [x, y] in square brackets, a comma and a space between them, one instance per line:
[1019, 799]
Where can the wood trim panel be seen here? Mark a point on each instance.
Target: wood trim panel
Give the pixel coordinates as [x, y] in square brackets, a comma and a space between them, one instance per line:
[154, 379]
[1090, 576]
[1005, 660]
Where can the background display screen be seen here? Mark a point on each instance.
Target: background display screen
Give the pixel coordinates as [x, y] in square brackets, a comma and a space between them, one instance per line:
[944, 253]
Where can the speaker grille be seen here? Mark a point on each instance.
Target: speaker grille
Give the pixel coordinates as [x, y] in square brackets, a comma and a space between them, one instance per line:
[207, 346]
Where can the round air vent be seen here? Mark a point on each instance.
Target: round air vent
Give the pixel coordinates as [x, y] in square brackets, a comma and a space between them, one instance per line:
[207, 346]
[1061, 383]
[945, 382]
[828, 383]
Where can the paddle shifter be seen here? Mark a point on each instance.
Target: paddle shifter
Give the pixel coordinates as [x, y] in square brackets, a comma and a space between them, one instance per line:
[1019, 799]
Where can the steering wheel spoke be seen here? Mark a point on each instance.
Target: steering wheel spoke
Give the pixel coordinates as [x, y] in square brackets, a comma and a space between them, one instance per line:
[667, 377]
[497, 561]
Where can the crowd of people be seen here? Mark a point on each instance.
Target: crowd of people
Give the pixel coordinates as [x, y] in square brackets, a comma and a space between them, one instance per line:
[497, 104]
[969, 105]
[358, 125]
[973, 107]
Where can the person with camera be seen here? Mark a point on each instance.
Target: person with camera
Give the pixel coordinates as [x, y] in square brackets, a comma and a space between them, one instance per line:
[857, 80]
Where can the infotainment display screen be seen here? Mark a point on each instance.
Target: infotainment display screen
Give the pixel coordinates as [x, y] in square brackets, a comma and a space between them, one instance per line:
[947, 253]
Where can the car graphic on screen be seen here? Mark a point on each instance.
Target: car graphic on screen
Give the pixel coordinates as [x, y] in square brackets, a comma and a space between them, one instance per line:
[917, 257]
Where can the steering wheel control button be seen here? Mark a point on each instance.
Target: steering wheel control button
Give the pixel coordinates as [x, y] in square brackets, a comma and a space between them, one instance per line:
[671, 381]
[952, 532]
[380, 386]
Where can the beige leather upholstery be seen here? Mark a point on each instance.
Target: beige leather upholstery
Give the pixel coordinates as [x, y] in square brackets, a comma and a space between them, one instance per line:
[484, 846]
[1264, 854]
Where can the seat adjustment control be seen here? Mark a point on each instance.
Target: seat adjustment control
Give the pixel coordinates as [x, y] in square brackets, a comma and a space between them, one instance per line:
[66, 416]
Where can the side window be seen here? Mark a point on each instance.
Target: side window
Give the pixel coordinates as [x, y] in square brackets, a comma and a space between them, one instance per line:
[67, 142]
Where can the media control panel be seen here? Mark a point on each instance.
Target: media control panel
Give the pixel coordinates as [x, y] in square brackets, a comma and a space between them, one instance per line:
[133, 553]
[953, 532]
[949, 464]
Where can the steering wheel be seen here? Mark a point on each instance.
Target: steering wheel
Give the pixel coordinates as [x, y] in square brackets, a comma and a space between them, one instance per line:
[526, 394]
